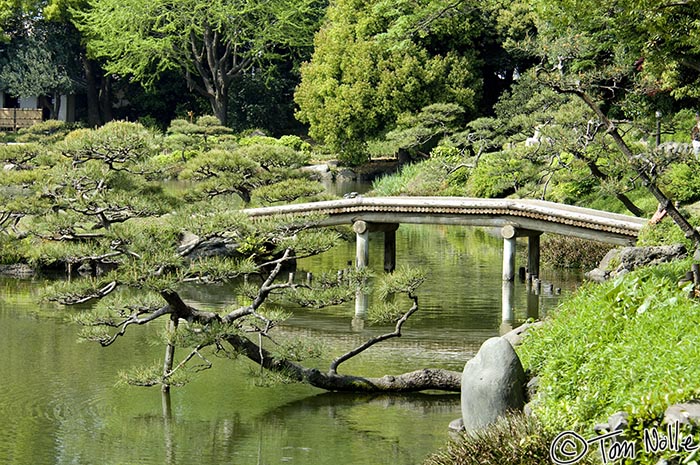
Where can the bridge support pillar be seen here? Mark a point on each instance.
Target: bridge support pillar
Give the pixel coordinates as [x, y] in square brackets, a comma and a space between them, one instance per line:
[362, 230]
[533, 254]
[508, 257]
[509, 234]
[390, 248]
[362, 244]
[507, 310]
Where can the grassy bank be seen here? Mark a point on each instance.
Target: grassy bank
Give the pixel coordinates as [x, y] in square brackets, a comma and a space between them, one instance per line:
[629, 344]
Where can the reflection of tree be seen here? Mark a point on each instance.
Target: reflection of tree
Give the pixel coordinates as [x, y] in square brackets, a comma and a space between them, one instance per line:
[395, 427]
[415, 402]
[167, 428]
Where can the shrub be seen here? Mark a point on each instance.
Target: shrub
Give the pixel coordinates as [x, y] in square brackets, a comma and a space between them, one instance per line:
[276, 156]
[573, 183]
[182, 126]
[496, 175]
[424, 178]
[572, 252]
[682, 182]
[353, 153]
[150, 122]
[26, 155]
[513, 439]
[12, 250]
[206, 132]
[666, 232]
[117, 142]
[629, 344]
[209, 121]
[47, 132]
[293, 142]
[446, 152]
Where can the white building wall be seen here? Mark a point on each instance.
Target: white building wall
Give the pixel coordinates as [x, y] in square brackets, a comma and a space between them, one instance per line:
[67, 110]
[28, 102]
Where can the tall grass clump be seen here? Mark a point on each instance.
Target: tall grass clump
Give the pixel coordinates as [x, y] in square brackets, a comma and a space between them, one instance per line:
[629, 344]
[428, 177]
[513, 439]
[572, 252]
[666, 232]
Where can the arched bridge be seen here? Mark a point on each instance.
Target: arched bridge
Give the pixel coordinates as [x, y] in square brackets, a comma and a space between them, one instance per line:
[515, 217]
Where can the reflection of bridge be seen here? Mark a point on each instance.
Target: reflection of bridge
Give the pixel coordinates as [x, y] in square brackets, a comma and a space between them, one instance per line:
[515, 217]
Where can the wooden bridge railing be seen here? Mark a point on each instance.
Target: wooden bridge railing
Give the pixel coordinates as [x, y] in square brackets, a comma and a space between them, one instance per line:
[18, 118]
[516, 218]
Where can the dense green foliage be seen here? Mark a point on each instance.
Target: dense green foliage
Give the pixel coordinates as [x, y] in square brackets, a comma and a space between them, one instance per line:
[377, 70]
[209, 43]
[629, 344]
[375, 60]
[534, 98]
[94, 206]
[572, 252]
[515, 439]
[666, 232]
[40, 62]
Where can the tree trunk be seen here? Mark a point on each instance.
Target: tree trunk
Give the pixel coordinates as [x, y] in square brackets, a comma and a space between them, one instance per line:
[99, 94]
[649, 183]
[597, 173]
[93, 107]
[56, 107]
[219, 104]
[421, 380]
[105, 97]
[216, 64]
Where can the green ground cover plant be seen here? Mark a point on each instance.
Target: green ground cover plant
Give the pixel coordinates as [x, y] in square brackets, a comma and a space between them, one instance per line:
[572, 252]
[629, 344]
[514, 439]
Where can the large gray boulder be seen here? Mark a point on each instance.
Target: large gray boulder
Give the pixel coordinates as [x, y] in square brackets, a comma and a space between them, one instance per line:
[686, 413]
[625, 259]
[193, 247]
[516, 335]
[493, 383]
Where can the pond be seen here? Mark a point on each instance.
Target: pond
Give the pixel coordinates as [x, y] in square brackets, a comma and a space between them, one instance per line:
[60, 404]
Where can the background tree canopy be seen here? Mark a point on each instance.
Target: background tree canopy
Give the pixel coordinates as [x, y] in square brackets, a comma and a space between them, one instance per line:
[41, 62]
[209, 43]
[374, 60]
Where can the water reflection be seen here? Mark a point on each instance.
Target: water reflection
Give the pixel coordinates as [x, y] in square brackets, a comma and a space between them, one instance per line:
[507, 308]
[60, 404]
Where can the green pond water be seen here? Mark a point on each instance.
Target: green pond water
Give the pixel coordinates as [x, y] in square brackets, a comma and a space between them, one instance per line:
[60, 402]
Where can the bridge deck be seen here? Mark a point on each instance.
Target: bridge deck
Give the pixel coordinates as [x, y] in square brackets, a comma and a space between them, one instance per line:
[523, 214]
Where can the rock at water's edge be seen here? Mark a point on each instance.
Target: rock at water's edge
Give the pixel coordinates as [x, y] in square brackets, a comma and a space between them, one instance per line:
[622, 260]
[493, 383]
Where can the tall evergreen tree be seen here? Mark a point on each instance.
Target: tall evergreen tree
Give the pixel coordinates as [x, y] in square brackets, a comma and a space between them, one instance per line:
[210, 43]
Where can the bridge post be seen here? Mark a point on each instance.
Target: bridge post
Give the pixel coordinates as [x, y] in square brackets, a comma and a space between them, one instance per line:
[507, 309]
[390, 248]
[509, 235]
[362, 244]
[361, 304]
[533, 254]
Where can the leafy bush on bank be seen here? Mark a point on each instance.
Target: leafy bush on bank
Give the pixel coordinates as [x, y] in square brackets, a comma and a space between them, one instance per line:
[572, 252]
[514, 439]
[666, 232]
[630, 344]
[682, 182]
